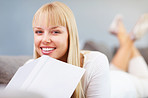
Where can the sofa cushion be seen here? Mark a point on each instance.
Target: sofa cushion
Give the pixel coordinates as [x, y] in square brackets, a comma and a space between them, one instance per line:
[144, 53]
[9, 65]
[101, 47]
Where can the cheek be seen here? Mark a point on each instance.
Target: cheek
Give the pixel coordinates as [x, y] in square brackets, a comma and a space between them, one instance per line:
[64, 41]
[37, 40]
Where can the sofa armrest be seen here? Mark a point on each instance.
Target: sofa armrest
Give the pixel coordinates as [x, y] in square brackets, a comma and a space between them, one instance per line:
[9, 65]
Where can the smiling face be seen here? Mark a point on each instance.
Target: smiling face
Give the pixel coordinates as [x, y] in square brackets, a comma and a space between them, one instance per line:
[51, 41]
[51, 18]
[50, 34]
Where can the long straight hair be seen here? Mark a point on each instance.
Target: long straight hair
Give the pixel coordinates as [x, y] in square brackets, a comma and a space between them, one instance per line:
[57, 13]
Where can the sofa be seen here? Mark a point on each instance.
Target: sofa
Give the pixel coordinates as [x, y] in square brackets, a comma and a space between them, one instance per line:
[10, 64]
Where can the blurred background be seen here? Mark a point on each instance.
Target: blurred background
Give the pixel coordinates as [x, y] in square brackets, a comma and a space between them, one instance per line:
[93, 20]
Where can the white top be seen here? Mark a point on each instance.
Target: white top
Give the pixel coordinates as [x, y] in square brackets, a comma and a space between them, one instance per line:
[133, 84]
[122, 85]
[96, 81]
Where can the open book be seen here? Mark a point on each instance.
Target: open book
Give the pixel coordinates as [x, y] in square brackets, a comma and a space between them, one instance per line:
[47, 76]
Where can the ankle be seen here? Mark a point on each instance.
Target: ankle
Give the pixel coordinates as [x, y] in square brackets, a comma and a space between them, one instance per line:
[123, 38]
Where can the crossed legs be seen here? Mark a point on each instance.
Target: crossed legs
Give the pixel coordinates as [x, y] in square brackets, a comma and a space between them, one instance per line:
[126, 50]
[129, 59]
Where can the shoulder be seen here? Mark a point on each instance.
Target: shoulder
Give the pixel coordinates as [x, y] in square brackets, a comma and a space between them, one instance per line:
[95, 61]
[94, 54]
[94, 57]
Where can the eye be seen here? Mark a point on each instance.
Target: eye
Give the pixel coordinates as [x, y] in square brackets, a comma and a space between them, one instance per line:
[56, 32]
[38, 32]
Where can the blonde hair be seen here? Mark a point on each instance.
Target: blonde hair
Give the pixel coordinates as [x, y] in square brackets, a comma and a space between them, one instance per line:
[57, 13]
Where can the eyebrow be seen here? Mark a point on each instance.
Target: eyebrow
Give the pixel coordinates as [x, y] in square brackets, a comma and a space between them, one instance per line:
[54, 27]
[37, 27]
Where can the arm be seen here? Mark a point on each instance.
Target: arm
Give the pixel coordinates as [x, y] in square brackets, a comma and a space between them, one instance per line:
[99, 81]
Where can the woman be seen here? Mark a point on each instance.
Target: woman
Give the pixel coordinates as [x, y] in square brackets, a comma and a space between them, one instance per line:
[56, 35]
[129, 71]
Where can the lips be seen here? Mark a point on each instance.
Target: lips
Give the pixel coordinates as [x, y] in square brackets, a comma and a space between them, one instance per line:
[47, 50]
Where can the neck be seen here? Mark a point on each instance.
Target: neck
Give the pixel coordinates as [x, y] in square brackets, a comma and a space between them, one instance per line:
[64, 58]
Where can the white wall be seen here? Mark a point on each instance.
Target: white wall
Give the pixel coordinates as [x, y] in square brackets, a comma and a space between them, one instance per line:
[93, 20]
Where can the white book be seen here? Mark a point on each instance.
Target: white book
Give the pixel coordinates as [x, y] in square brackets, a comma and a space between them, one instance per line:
[47, 76]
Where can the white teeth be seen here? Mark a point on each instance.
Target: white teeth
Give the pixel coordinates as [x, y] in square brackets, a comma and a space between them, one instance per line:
[47, 49]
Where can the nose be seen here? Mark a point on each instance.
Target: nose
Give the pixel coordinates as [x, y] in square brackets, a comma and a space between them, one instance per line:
[46, 38]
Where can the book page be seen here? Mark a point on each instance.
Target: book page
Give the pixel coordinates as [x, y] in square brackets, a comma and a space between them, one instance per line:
[49, 77]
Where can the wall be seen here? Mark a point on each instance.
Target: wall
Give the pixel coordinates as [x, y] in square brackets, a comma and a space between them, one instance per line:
[93, 19]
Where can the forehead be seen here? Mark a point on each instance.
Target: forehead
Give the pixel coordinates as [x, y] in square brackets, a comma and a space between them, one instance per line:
[48, 18]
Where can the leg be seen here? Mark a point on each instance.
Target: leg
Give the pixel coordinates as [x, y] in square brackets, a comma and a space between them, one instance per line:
[124, 53]
[122, 33]
[129, 58]
[138, 71]
[123, 56]
[137, 64]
